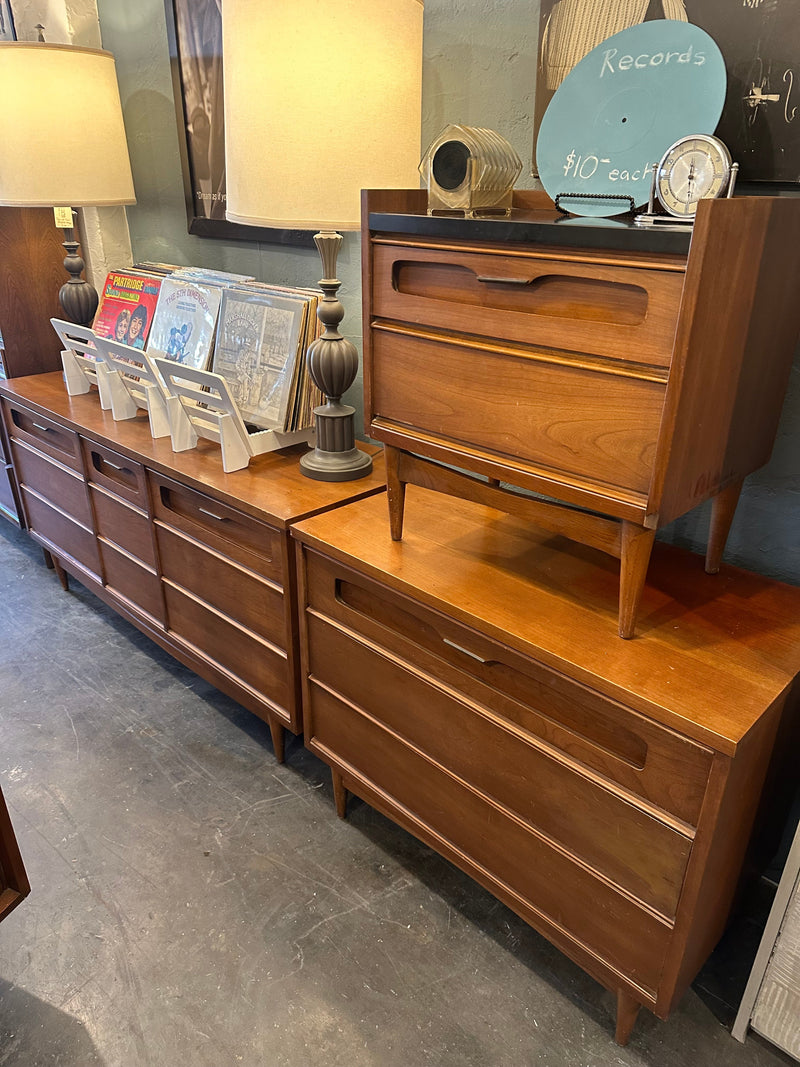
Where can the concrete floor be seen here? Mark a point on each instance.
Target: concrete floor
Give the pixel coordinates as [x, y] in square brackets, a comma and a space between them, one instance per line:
[195, 903]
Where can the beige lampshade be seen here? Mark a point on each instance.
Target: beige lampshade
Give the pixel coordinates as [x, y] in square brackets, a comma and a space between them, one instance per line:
[322, 99]
[62, 139]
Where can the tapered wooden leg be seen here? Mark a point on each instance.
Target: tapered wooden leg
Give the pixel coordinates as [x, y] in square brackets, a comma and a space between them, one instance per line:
[339, 794]
[637, 544]
[395, 491]
[723, 507]
[627, 1010]
[63, 577]
[48, 560]
[277, 735]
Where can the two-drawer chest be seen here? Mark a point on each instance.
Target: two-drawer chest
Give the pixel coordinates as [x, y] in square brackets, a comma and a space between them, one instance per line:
[201, 561]
[469, 683]
[625, 375]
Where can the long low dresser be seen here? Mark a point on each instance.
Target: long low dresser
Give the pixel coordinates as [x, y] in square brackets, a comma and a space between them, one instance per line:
[469, 683]
[201, 561]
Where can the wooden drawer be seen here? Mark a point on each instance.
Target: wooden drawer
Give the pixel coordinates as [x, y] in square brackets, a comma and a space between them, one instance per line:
[48, 436]
[120, 475]
[596, 825]
[135, 583]
[489, 843]
[627, 750]
[230, 532]
[226, 586]
[587, 424]
[236, 651]
[124, 525]
[58, 484]
[66, 536]
[624, 312]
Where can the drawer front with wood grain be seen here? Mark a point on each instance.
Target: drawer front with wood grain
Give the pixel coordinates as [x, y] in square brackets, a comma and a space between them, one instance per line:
[116, 473]
[602, 829]
[124, 525]
[66, 536]
[624, 312]
[600, 427]
[228, 531]
[488, 842]
[43, 434]
[237, 652]
[623, 748]
[230, 588]
[50, 479]
[129, 579]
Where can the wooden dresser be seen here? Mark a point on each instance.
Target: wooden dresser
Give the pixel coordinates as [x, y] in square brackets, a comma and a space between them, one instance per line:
[621, 372]
[31, 274]
[469, 683]
[201, 561]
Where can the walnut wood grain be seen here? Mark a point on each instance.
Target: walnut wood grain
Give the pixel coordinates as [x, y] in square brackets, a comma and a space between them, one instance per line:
[635, 384]
[546, 415]
[627, 1011]
[595, 306]
[735, 634]
[199, 560]
[733, 350]
[661, 771]
[271, 488]
[723, 507]
[31, 274]
[437, 675]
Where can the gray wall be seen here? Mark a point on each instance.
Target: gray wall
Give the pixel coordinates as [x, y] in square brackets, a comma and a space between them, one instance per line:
[480, 70]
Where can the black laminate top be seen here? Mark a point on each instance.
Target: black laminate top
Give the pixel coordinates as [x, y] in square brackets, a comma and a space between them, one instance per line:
[541, 227]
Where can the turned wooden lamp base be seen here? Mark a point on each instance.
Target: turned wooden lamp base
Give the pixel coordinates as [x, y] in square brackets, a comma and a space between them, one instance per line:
[333, 364]
[629, 542]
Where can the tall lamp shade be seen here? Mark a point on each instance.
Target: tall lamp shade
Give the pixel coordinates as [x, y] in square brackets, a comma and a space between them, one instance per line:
[62, 138]
[322, 99]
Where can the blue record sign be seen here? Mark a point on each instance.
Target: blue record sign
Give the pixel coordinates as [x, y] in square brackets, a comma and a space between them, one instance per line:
[618, 111]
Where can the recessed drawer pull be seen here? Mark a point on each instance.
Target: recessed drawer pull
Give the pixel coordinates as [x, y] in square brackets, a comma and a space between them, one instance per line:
[116, 466]
[503, 281]
[211, 515]
[39, 426]
[466, 651]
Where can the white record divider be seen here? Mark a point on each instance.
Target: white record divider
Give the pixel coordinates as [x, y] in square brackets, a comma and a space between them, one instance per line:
[200, 405]
[82, 361]
[133, 382]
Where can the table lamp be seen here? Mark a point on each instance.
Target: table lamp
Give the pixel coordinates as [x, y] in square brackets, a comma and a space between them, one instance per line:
[62, 144]
[321, 100]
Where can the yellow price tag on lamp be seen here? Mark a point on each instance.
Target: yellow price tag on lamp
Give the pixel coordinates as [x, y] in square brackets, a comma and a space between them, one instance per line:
[63, 217]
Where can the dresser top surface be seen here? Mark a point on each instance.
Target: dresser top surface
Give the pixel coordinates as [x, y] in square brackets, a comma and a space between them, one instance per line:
[712, 652]
[272, 487]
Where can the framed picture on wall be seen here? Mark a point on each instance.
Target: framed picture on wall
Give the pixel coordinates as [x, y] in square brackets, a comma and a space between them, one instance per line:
[194, 30]
[759, 40]
[7, 32]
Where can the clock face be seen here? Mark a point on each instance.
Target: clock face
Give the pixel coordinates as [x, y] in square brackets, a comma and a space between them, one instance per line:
[694, 168]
